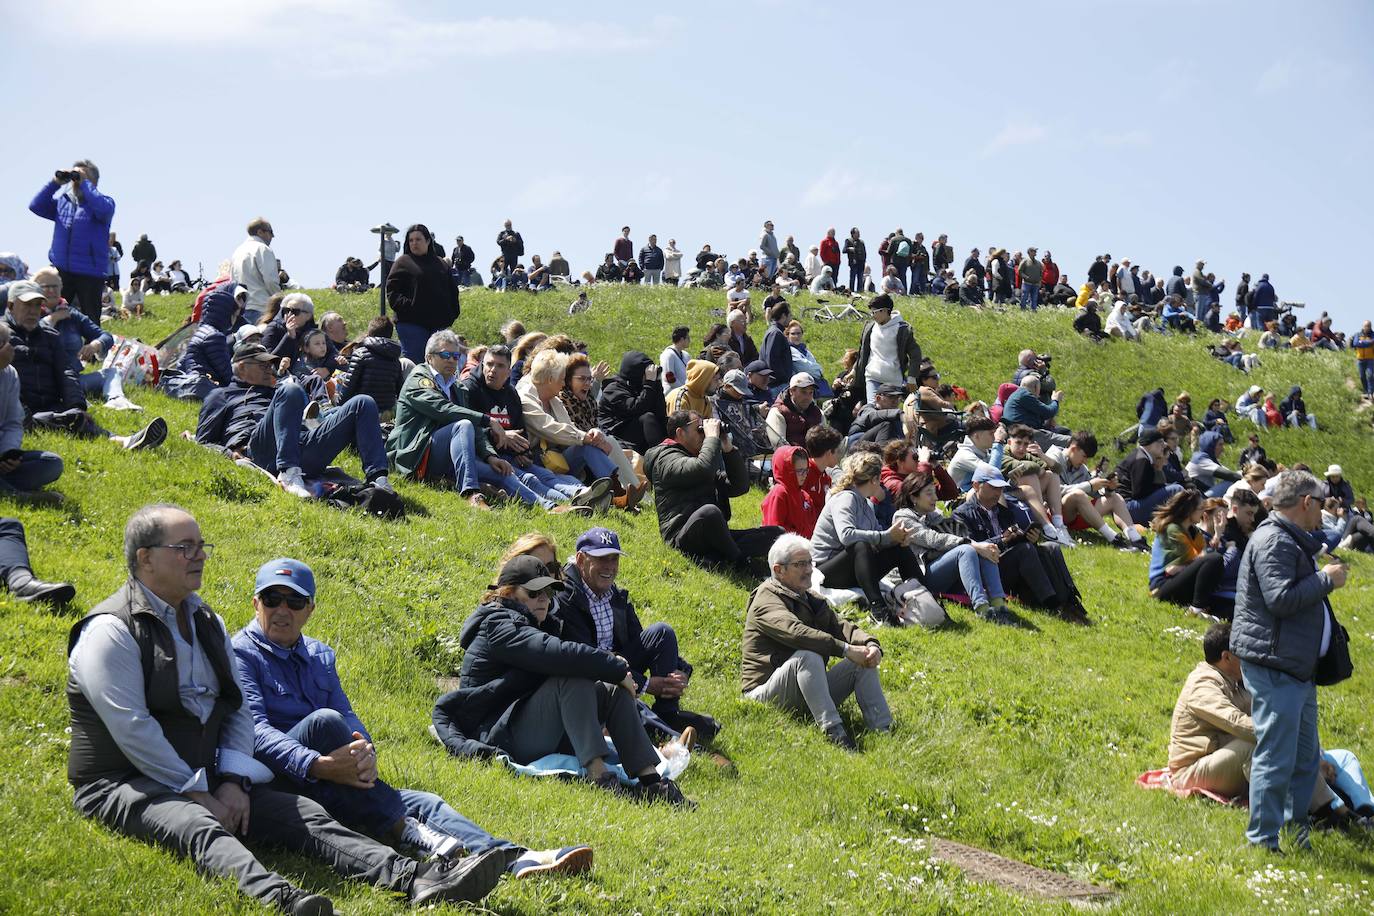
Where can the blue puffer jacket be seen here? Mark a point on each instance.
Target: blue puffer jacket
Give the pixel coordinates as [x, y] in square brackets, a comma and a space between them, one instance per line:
[1281, 603]
[76, 332]
[207, 353]
[81, 233]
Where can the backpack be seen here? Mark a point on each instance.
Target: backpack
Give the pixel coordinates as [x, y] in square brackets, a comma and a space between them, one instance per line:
[371, 499]
[903, 249]
[916, 605]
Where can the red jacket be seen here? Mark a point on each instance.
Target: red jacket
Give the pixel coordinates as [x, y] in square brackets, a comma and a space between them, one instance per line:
[794, 506]
[830, 252]
[1050, 275]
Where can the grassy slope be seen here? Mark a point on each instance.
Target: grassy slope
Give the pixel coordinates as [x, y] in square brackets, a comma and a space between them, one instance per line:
[1024, 743]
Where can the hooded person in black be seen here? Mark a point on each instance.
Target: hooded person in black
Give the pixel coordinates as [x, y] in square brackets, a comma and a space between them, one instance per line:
[631, 407]
[422, 292]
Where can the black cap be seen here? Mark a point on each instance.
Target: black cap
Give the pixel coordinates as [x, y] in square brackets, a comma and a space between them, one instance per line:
[253, 351]
[891, 391]
[529, 573]
[1150, 437]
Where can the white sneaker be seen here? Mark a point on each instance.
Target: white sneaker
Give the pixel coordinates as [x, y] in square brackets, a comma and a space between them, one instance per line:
[292, 482]
[121, 403]
[1062, 536]
[437, 845]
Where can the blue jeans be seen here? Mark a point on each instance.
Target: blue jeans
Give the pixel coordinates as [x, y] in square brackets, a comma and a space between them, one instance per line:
[1142, 509]
[1365, 367]
[280, 440]
[980, 578]
[1030, 292]
[901, 274]
[770, 266]
[1350, 781]
[591, 458]
[413, 338]
[375, 811]
[453, 455]
[36, 470]
[920, 283]
[1283, 769]
[558, 487]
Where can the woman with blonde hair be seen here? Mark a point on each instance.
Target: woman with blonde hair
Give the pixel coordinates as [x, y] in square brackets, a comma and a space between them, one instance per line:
[849, 547]
[547, 419]
[539, 545]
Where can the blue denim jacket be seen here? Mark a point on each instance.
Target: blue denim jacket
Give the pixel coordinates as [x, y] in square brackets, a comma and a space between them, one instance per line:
[282, 687]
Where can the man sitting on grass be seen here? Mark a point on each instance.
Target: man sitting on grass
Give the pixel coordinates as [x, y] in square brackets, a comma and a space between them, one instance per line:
[162, 742]
[306, 732]
[1212, 736]
[262, 420]
[49, 387]
[789, 633]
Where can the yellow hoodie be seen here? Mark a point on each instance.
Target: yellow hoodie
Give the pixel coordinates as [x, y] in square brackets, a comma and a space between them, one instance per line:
[693, 396]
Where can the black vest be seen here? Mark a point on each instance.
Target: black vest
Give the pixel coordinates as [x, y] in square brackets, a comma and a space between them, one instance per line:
[94, 753]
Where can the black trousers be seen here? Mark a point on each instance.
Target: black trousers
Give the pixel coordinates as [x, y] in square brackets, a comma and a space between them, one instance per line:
[1038, 575]
[1194, 584]
[864, 565]
[83, 292]
[707, 537]
[14, 551]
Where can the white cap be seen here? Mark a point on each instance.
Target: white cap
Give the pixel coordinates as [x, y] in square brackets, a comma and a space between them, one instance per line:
[1335, 471]
[802, 380]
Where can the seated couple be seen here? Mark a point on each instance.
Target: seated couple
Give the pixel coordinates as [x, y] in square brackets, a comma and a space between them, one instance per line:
[472, 433]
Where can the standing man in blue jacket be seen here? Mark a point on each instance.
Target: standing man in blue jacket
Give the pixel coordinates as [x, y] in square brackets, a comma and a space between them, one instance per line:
[81, 218]
[1282, 628]
[651, 262]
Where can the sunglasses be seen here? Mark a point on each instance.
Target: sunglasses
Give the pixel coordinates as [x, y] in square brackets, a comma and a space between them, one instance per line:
[293, 311]
[448, 354]
[277, 599]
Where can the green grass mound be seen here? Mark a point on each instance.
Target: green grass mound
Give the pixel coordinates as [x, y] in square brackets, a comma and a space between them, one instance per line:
[1024, 743]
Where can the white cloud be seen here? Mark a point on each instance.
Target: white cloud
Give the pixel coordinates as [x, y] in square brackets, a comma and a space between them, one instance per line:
[1135, 137]
[841, 184]
[1277, 77]
[1016, 133]
[326, 37]
[552, 192]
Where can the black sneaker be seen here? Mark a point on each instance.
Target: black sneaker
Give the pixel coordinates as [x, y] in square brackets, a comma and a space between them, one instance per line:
[841, 739]
[150, 436]
[301, 903]
[593, 494]
[682, 719]
[665, 791]
[1001, 616]
[464, 880]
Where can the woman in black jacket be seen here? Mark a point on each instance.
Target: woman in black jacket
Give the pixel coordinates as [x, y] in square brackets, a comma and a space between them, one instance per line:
[526, 692]
[374, 367]
[422, 293]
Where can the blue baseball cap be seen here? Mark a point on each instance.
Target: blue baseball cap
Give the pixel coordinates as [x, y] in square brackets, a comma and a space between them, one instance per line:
[599, 542]
[293, 574]
[986, 473]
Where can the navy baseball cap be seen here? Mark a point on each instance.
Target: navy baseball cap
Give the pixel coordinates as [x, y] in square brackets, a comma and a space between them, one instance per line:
[986, 473]
[293, 574]
[599, 542]
[758, 365]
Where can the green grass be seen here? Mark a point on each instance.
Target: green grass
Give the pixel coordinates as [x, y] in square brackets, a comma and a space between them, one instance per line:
[1025, 743]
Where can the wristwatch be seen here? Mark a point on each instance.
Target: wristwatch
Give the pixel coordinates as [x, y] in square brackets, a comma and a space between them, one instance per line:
[243, 782]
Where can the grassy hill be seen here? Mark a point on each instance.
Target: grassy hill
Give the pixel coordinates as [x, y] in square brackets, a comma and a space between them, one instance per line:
[1022, 742]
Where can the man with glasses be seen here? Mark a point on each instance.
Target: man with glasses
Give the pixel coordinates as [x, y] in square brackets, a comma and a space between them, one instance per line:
[1282, 629]
[306, 732]
[254, 267]
[789, 633]
[257, 418]
[162, 742]
[49, 388]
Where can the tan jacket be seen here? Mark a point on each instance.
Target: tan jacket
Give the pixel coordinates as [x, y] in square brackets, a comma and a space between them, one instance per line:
[552, 424]
[1210, 711]
[779, 622]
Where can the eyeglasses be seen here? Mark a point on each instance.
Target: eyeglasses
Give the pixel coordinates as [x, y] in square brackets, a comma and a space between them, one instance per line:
[582, 378]
[804, 564]
[448, 354]
[277, 599]
[188, 550]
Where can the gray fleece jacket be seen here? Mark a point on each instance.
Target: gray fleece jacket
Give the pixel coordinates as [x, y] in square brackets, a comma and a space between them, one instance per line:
[847, 519]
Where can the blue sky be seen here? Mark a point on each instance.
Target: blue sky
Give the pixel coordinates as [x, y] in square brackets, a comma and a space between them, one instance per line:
[1162, 131]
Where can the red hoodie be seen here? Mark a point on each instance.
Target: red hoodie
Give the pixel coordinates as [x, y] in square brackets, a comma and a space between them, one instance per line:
[789, 504]
[830, 252]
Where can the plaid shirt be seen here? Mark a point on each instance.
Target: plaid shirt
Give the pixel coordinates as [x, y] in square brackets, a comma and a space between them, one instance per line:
[602, 617]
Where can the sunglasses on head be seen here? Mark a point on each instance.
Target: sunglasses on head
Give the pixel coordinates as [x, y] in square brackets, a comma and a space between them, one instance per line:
[277, 599]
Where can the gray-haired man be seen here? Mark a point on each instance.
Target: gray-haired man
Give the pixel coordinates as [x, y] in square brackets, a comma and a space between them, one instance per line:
[788, 635]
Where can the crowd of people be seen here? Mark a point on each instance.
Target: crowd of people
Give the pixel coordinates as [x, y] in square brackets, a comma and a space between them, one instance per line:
[881, 484]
